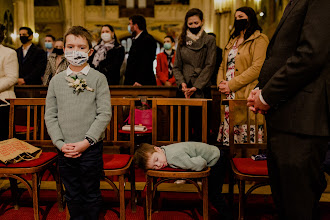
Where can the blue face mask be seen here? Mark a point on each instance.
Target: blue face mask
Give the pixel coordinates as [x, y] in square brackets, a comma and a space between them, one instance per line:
[129, 29]
[167, 46]
[48, 45]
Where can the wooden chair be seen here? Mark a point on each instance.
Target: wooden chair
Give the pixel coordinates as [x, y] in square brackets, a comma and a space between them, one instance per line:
[156, 177]
[37, 167]
[120, 164]
[244, 168]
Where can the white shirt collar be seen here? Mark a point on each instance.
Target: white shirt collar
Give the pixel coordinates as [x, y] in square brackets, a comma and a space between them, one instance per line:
[25, 50]
[138, 35]
[84, 71]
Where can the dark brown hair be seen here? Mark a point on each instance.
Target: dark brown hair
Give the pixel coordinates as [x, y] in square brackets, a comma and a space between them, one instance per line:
[252, 23]
[2, 33]
[79, 31]
[190, 13]
[142, 155]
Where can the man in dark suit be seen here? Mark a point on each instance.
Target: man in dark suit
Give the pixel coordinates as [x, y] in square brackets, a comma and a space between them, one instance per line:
[139, 69]
[294, 94]
[32, 60]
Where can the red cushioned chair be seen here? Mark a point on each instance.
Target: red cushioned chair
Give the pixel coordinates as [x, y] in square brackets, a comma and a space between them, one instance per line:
[157, 177]
[120, 165]
[244, 168]
[36, 167]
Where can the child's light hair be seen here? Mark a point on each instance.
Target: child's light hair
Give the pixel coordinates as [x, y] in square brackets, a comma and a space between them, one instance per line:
[79, 31]
[143, 154]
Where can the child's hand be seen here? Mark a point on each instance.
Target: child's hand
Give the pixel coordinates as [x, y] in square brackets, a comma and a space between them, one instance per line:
[69, 151]
[80, 146]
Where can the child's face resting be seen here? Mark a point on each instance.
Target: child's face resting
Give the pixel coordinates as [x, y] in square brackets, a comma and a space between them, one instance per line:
[157, 160]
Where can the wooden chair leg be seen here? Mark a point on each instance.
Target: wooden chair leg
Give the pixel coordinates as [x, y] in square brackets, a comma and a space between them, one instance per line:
[149, 197]
[133, 188]
[231, 188]
[241, 203]
[35, 195]
[14, 192]
[59, 189]
[122, 197]
[205, 197]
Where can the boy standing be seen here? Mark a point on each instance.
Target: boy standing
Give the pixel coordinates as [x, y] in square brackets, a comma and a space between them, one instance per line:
[192, 156]
[78, 110]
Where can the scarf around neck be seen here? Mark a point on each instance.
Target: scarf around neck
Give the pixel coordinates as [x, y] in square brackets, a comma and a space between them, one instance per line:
[101, 51]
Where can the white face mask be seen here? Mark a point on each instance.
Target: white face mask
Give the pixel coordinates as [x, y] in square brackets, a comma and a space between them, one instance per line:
[106, 37]
[76, 58]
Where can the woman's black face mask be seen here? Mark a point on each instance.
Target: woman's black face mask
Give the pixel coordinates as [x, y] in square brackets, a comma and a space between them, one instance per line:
[240, 25]
[58, 51]
[195, 30]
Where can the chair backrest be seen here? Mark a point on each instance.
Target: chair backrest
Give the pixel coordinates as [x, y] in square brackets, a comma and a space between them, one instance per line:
[34, 109]
[119, 105]
[253, 121]
[28, 113]
[175, 108]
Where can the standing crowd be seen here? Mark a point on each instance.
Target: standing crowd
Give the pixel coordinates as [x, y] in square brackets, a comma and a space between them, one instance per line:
[286, 79]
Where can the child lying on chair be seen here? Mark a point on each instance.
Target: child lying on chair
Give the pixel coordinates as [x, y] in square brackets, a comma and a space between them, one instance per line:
[191, 156]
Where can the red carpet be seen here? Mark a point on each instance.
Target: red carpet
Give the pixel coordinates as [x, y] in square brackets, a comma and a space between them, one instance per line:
[175, 206]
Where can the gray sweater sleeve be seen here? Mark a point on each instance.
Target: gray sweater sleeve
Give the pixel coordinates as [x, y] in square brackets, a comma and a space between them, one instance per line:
[51, 118]
[193, 163]
[103, 110]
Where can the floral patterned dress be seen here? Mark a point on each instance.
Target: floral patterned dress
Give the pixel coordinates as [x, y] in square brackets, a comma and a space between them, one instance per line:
[240, 131]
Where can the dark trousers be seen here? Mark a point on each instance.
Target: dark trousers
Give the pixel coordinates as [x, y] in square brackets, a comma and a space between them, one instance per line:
[81, 177]
[296, 174]
[216, 181]
[4, 122]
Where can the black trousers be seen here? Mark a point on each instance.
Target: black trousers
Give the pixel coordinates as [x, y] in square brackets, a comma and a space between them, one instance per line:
[4, 122]
[81, 177]
[296, 174]
[216, 181]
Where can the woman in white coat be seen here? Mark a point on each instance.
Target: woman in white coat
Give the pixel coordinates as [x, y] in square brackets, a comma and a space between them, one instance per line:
[8, 78]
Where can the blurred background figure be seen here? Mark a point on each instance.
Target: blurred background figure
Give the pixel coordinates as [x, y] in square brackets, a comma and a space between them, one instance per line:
[8, 78]
[165, 63]
[139, 69]
[32, 60]
[49, 44]
[56, 62]
[108, 55]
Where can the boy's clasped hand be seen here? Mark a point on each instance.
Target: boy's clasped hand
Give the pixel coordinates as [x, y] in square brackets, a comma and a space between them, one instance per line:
[74, 150]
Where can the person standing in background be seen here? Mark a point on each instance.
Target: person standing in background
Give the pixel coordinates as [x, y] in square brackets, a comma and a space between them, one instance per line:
[49, 44]
[8, 78]
[139, 69]
[238, 74]
[56, 62]
[32, 60]
[165, 63]
[108, 55]
[195, 57]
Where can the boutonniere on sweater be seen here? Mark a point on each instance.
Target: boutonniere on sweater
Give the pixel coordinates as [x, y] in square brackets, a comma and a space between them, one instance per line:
[78, 85]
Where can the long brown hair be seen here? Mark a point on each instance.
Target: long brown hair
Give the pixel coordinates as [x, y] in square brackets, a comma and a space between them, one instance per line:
[190, 13]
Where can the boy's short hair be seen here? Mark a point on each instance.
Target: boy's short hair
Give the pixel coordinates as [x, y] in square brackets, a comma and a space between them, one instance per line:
[30, 32]
[79, 31]
[51, 36]
[171, 38]
[142, 155]
[140, 21]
